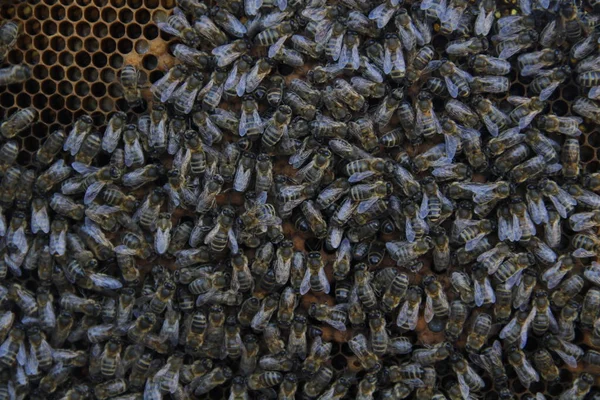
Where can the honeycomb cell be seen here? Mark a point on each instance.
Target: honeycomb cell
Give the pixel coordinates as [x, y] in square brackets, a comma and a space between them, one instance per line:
[74, 13]
[107, 75]
[66, 2]
[83, 59]
[48, 116]
[90, 104]
[48, 87]
[142, 46]
[32, 57]
[31, 144]
[57, 102]
[49, 28]
[151, 3]
[134, 3]
[91, 45]
[100, 3]
[108, 45]
[108, 15]
[65, 58]
[65, 116]
[99, 118]
[24, 11]
[125, 46]
[99, 60]
[73, 103]
[74, 44]
[49, 57]
[24, 158]
[117, 30]
[587, 154]
[24, 42]
[39, 101]
[57, 43]
[594, 139]
[32, 27]
[40, 42]
[32, 86]
[117, 3]
[150, 32]
[165, 36]
[570, 92]
[116, 61]
[516, 89]
[41, 12]
[150, 62]
[125, 16]
[7, 100]
[15, 57]
[142, 16]
[83, 29]
[57, 12]
[168, 4]
[134, 31]
[92, 14]
[65, 88]
[159, 16]
[99, 89]
[74, 74]
[560, 107]
[82, 89]
[83, 3]
[593, 166]
[100, 30]
[107, 104]
[40, 72]
[115, 90]
[90, 74]
[66, 29]
[156, 75]
[23, 100]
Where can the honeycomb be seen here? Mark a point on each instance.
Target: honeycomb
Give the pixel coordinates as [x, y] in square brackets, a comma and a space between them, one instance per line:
[76, 49]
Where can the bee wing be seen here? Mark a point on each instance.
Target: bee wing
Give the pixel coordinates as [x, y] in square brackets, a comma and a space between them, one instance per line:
[282, 269]
[424, 209]
[547, 91]
[359, 176]
[428, 309]
[111, 137]
[242, 179]
[364, 206]
[104, 281]
[525, 327]
[92, 191]
[133, 151]
[39, 221]
[169, 91]
[276, 47]
[122, 249]
[479, 293]
[403, 314]
[463, 386]
[410, 232]
[506, 330]
[323, 280]
[382, 14]
[305, 285]
[167, 28]
[451, 146]
[232, 242]
[512, 281]
[31, 362]
[579, 221]
[509, 51]
[234, 26]
[387, 61]
[161, 240]
[452, 88]
[516, 230]
[232, 78]
[504, 233]
[484, 22]
[58, 243]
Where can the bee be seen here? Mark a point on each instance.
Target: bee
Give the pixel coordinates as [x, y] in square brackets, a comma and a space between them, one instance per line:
[189, 56]
[228, 21]
[14, 74]
[409, 311]
[207, 197]
[368, 359]
[427, 123]
[275, 90]
[367, 88]
[78, 133]
[586, 108]
[580, 387]
[277, 126]
[216, 377]
[148, 213]
[468, 380]
[18, 122]
[228, 53]
[479, 332]
[566, 326]
[429, 356]
[250, 122]
[394, 292]
[129, 80]
[268, 307]
[568, 352]
[388, 106]
[584, 220]
[163, 88]
[9, 32]
[457, 81]
[177, 25]
[493, 118]
[436, 303]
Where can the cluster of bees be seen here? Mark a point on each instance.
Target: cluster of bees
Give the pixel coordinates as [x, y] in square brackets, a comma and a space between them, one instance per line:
[312, 170]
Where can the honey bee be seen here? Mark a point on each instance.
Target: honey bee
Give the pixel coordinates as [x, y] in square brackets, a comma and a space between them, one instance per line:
[129, 79]
[9, 32]
[216, 377]
[479, 332]
[580, 387]
[468, 380]
[405, 253]
[18, 121]
[436, 303]
[190, 56]
[14, 74]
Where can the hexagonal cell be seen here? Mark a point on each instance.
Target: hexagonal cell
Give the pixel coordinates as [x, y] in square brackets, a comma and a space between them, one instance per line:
[32, 27]
[74, 44]
[142, 46]
[159, 16]
[39, 101]
[40, 72]
[134, 31]
[107, 75]
[125, 46]
[24, 11]
[15, 88]
[168, 4]
[142, 16]
[48, 116]
[65, 58]
[49, 57]
[115, 90]
[57, 102]
[99, 89]
[90, 74]
[92, 14]
[41, 42]
[116, 61]
[117, 30]
[57, 43]
[15, 57]
[31, 144]
[593, 166]
[151, 4]
[66, 29]
[90, 104]
[150, 32]
[57, 12]
[156, 75]
[150, 62]
[7, 100]
[83, 59]
[41, 12]
[65, 88]
[107, 104]
[560, 107]
[32, 57]
[82, 89]
[65, 116]
[108, 45]
[134, 3]
[108, 14]
[117, 3]
[49, 86]
[587, 154]
[83, 29]
[83, 3]
[66, 2]
[24, 158]
[594, 139]
[49, 28]
[73, 103]
[74, 74]
[100, 3]
[100, 30]
[99, 60]
[32, 86]
[91, 45]
[125, 16]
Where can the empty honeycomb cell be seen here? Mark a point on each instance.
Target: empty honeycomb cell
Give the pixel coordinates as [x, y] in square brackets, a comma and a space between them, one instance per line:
[134, 3]
[25, 42]
[90, 104]
[151, 3]
[48, 116]
[150, 32]
[587, 154]
[32, 86]
[107, 75]
[39, 101]
[107, 104]
[91, 45]
[15, 88]
[57, 102]
[65, 116]
[114, 90]
[83, 29]
[150, 62]
[31, 28]
[49, 28]
[7, 100]
[570, 92]
[108, 45]
[65, 58]
[125, 16]
[165, 36]
[116, 61]
[49, 57]
[73, 103]
[40, 72]
[100, 30]
[66, 29]
[92, 14]
[125, 46]
[83, 59]
[108, 14]
[83, 3]
[57, 73]
[57, 43]
[122, 105]
[159, 16]
[74, 44]
[90, 74]
[15, 57]
[142, 16]
[516, 89]
[57, 12]
[65, 88]
[31, 143]
[32, 57]
[41, 42]
[339, 362]
[24, 11]
[24, 158]
[48, 86]
[98, 117]
[23, 100]
[560, 107]
[594, 139]
[593, 166]
[117, 3]
[142, 46]
[74, 74]
[41, 12]
[168, 4]
[98, 89]
[74, 13]
[66, 2]
[100, 3]
[82, 89]
[156, 75]
[134, 31]
[99, 60]
[117, 30]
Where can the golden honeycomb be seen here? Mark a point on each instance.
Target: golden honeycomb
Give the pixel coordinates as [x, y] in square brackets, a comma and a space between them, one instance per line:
[76, 49]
